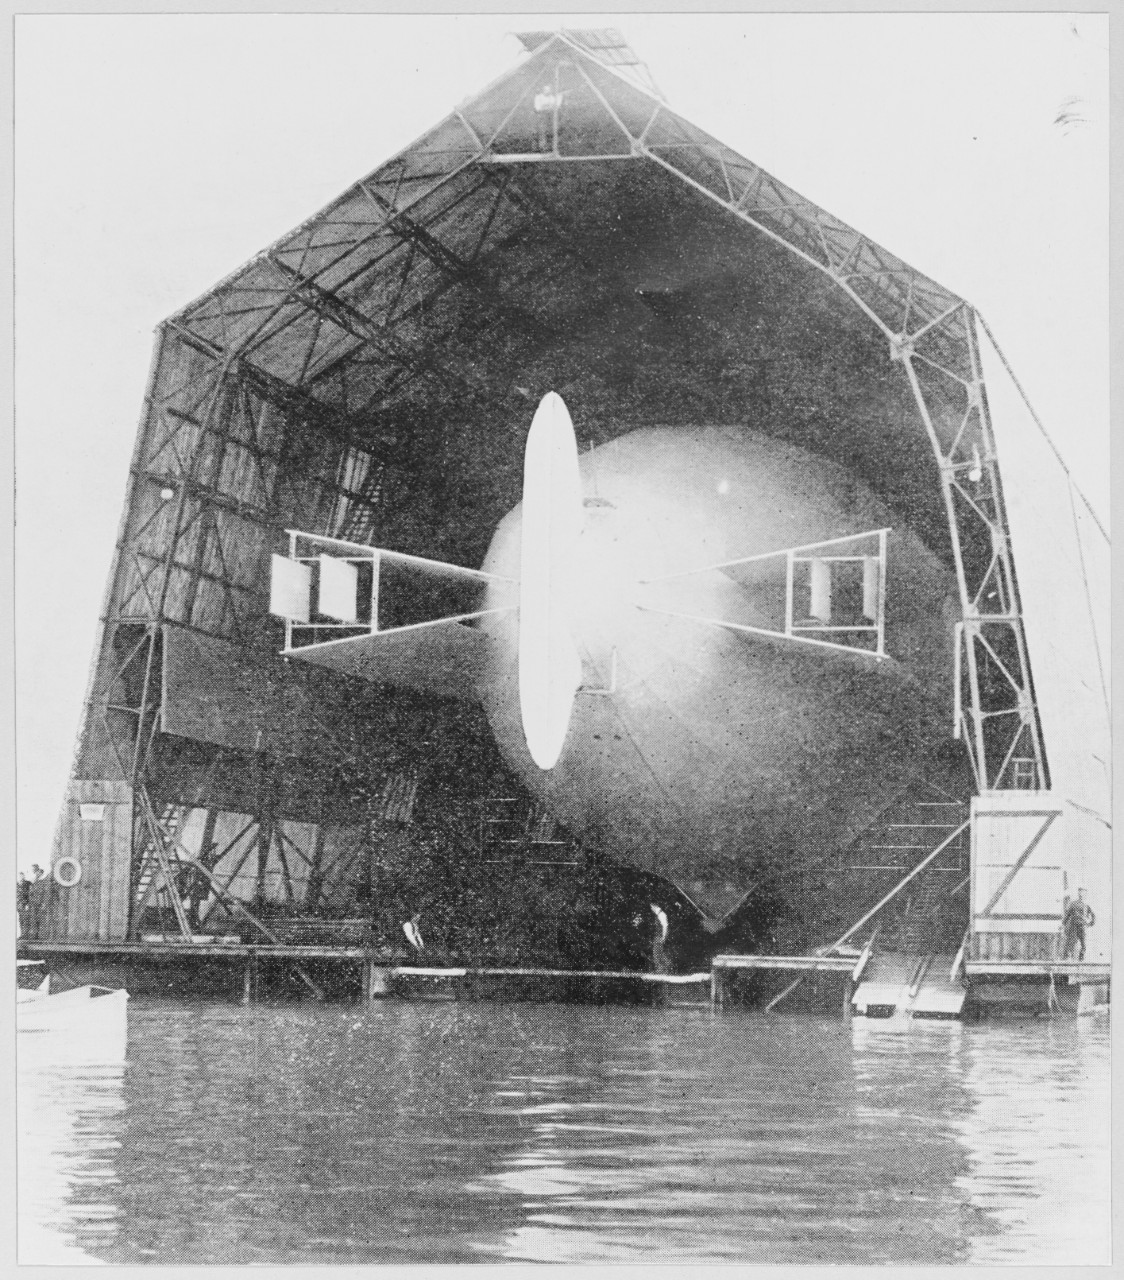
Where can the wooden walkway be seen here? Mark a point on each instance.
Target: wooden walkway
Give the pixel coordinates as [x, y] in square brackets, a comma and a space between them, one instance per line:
[801, 964]
[635, 975]
[380, 969]
[180, 949]
[183, 950]
[1086, 970]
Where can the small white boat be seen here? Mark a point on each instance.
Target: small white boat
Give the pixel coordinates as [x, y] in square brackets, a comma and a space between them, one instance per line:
[83, 1020]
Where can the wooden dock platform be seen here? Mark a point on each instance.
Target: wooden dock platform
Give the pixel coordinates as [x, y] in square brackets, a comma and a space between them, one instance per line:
[379, 968]
[180, 949]
[635, 975]
[1084, 970]
[800, 964]
[849, 966]
[382, 971]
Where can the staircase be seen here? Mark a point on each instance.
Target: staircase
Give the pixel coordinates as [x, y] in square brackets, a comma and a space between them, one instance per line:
[922, 927]
[928, 919]
[151, 877]
[912, 824]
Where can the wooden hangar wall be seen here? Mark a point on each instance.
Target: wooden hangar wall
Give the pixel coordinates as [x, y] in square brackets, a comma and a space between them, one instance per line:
[372, 376]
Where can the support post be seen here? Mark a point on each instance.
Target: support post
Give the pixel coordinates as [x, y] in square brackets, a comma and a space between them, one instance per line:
[265, 830]
[250, 980]
[717, 993]
[375, 980]
[848, 992]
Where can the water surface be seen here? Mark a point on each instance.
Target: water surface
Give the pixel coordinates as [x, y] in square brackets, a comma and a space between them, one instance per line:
[460, 1132]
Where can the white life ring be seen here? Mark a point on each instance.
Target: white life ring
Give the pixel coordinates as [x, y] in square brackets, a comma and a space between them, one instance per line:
[67, 881]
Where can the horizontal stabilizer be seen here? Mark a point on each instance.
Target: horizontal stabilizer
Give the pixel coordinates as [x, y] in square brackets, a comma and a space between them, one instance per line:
[830, 594]
[403, 616]
[442, 657]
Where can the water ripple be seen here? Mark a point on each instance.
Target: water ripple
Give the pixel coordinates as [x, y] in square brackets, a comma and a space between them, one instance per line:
[428, 1133]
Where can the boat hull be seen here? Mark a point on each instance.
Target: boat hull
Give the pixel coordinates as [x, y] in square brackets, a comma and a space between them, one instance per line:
[87, 1022]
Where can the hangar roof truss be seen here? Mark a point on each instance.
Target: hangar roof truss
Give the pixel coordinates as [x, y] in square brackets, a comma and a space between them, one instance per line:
[303, 390]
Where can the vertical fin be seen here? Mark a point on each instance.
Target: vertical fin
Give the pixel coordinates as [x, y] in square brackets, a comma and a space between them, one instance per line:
[549, 663]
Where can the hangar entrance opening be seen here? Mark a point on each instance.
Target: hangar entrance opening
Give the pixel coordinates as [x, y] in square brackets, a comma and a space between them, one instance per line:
[369, 381]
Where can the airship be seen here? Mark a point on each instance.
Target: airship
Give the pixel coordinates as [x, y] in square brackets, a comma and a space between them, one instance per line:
[712, 653]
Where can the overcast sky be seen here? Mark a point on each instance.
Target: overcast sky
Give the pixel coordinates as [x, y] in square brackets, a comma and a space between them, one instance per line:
[155, 154]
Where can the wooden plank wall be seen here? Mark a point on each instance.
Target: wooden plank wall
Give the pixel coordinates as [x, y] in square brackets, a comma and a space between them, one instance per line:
[1025, 947]
[97, 907]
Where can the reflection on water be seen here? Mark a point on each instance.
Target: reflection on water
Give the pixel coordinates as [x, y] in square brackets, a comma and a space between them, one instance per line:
[69, 1117]
[1051, 1083]
[474, 1132]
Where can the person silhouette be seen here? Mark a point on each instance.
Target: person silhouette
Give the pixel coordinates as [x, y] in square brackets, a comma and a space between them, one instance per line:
[413, 933]
[1078, 917]
[659, 956]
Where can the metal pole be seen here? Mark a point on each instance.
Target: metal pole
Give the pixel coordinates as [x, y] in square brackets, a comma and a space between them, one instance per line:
[790, 562]
[787, 991]
[883, 537]
[967, 605]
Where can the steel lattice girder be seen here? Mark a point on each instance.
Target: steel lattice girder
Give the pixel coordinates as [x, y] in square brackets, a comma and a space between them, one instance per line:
[338, 325]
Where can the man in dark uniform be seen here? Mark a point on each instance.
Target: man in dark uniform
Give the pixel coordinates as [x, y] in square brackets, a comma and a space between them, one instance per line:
[23, 903]
[1077, 918]
[37, 910]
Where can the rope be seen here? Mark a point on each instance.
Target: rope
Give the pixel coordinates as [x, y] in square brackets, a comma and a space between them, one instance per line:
[1040, 425]
[1089, 601]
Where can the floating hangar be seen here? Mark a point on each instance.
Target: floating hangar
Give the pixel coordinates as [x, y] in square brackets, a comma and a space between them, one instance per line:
[354, 404]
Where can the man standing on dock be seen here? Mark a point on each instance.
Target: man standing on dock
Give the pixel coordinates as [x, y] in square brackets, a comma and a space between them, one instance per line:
[38, 890]
[1077, 918]
[413, 932]
[660, 962]
[23, 904]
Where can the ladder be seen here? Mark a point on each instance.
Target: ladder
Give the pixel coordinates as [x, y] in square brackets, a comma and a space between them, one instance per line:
[918, 923]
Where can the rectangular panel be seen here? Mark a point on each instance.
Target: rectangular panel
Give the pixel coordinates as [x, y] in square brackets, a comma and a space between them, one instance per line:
[1019, 841]
[820, 577]
[1031, 902]
[871, 565]
[290, 588]
[339, 589]
[437, 657]
[215, 692]
[96, 906]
